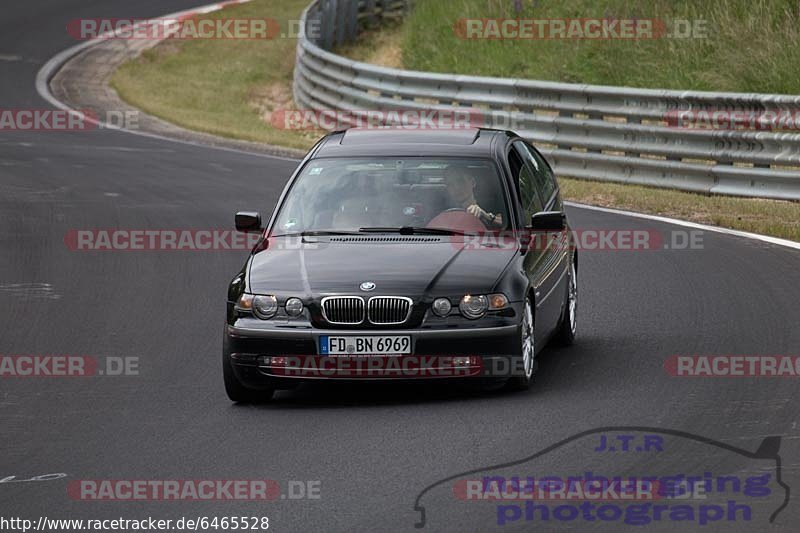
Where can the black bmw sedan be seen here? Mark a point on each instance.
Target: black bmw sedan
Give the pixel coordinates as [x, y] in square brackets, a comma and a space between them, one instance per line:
[398, 253]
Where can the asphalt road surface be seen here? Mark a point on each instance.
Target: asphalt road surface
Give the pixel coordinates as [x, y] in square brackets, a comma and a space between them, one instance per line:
[370, 450]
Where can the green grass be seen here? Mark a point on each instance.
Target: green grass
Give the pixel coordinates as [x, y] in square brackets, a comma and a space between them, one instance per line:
[752, 45]
[767, 217]
[223, 87]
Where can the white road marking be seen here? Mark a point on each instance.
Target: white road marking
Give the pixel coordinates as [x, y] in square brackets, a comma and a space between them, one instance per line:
[31, 290]
[24, 145]
[686, 224]
[43, 477]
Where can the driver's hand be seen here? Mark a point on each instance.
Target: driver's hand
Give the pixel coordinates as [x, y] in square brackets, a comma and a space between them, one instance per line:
[476, 211]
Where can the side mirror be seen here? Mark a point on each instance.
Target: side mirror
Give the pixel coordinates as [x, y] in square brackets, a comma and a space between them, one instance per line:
[549, 221]
[248, 221]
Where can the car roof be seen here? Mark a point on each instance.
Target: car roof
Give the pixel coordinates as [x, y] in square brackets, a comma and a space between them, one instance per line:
[378, 142]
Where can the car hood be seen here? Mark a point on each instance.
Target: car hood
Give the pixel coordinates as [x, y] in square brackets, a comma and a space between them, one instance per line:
[415, 267]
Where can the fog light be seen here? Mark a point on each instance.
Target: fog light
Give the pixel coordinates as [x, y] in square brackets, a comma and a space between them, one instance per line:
[294, 307]
[473, 307]
[265, 307]
[441, 306]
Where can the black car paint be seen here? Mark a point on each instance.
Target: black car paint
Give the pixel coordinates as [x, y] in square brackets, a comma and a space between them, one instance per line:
[317, 266]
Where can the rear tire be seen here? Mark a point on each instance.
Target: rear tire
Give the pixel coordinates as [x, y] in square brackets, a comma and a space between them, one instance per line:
[527, 352]
[234, 388]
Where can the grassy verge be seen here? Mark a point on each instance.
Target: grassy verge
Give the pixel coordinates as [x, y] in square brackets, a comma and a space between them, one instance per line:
[230, 88]
[767, 217]
[223, 87]
[744, 45]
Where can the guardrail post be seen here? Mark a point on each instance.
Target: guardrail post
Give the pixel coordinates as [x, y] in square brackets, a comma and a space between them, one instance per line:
[325, 20]
[352, 20]
[370, 11]
[567, 114]
[339, 13]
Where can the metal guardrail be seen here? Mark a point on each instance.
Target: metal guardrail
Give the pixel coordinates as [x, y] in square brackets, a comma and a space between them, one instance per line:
[587, 131]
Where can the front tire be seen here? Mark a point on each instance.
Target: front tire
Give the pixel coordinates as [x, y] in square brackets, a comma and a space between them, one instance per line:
[569, 326]
[234, 388]
[527, 351]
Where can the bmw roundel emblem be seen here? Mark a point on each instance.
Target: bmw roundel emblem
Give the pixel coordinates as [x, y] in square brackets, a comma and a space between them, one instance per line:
[367, 286]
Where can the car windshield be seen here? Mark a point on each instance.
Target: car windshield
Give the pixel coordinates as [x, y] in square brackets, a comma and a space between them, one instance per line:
[391, 194]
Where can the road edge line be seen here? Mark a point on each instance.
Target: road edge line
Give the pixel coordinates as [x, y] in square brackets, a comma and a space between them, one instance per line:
[694, 225]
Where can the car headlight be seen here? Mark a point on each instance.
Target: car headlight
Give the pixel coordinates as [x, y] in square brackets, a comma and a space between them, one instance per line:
[441, 307]
[473, 306]
[265, 307]
[294, 306]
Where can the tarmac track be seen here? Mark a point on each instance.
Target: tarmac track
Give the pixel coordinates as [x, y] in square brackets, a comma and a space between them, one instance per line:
[373, 448]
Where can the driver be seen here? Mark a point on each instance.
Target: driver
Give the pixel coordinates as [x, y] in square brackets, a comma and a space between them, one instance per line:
[461, 189]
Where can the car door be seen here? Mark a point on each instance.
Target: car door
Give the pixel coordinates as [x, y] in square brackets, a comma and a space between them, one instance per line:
[547, 263]
[530, 203]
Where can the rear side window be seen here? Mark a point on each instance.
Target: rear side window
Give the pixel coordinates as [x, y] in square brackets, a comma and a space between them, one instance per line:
[529, 196]
[544, 178]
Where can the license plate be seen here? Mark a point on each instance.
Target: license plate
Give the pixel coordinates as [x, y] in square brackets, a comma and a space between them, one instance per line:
[365, 345]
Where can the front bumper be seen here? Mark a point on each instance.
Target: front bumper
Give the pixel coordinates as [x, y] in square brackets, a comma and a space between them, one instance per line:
[268, 355]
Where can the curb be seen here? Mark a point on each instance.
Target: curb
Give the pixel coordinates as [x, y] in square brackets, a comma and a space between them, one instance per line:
[54, 82]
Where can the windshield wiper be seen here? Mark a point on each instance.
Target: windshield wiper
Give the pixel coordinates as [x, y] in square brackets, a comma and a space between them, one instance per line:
[316, 233]
[412, 230]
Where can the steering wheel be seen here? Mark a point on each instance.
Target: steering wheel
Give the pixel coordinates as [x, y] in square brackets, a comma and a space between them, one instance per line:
[459, 219]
